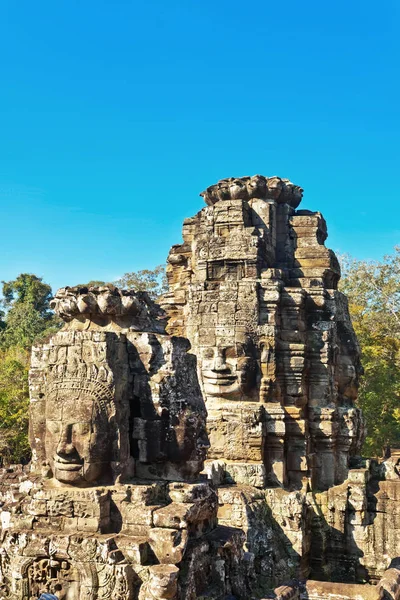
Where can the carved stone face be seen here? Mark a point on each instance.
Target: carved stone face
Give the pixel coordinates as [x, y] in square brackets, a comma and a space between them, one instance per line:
[229, 372]
[77, 439]
[346, 376]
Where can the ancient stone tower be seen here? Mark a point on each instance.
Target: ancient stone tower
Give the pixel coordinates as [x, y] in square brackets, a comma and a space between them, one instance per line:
[254, 289]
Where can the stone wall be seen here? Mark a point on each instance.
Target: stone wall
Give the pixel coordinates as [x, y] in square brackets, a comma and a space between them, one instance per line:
[356, 526]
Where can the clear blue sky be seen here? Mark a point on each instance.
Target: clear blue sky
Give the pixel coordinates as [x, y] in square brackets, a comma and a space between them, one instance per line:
[116, 114]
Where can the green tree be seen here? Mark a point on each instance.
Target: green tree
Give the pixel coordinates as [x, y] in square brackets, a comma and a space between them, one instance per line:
[30, 290]
[153, 281]
[14, 403]
[91, 283]
[25, 325]
[28, 316]
[27, 319]
[373, 289]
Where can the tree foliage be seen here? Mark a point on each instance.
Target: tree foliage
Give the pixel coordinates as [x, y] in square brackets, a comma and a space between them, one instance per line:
[29, 290]
[92, 283]
[14, 403]
[153, 281]
[373, 289]
[27, 318]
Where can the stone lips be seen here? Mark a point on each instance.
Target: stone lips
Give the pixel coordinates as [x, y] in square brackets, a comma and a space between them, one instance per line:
[104, 301]
[282, 191]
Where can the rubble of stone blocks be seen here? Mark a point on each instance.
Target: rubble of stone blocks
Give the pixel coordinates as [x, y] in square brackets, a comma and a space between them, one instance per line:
[349, 533]
[388, 588]
[122, 541]
[356, 526]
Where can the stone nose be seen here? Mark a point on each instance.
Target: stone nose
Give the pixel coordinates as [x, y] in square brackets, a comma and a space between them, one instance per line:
[65, 445]
[203, 441]
[203, 445]
[220, 362]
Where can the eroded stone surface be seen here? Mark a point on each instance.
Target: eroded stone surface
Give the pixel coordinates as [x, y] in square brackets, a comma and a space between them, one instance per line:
[280, 190]
[356, 527]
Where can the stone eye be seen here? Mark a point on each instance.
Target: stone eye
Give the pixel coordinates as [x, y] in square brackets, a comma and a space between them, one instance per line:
[231, 352]
[82, 428]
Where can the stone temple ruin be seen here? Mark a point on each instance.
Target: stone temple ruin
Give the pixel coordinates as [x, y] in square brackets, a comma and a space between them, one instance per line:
[255, 291]
[209, 448]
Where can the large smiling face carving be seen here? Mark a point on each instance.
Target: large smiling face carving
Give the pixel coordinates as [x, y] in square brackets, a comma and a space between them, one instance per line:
[229, 372]
[77, 439]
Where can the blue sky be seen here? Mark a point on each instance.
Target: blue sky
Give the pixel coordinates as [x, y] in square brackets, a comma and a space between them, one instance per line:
[115, 115]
